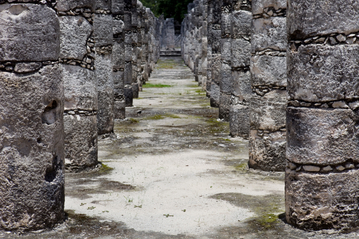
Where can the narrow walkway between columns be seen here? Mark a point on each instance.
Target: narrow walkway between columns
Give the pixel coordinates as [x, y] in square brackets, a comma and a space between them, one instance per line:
[172, 171]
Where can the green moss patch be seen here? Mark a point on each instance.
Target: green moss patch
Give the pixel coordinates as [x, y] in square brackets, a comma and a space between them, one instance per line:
[150, 85]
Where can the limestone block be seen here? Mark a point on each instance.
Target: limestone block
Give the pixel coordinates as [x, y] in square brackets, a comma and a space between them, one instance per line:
[226, 83]
[242, 85]
[241, 24]
[269, 33]
[105, 87]
[241, 53]
[321, 201]
[322, 136]
[311, 18]
[268, 112]
[118, 26]
[103, 30]
[267, 152]
[226, 22]
[258, 6]
[80, 88]
[226, 53]
[75, 31]
[80, 141]
[269, 70]
[119, 84]
[224, 106]
[128, 91]
[118, 7]
[216, 42]
[313, 77]
[239, 120]
[67, 5]
[216, 68]
[31, 149]
[28, 32]
[103, 5]
[118, 55]
[215, 93]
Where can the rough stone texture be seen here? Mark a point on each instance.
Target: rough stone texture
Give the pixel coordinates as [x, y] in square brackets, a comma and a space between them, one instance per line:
[82, 154]
[80, 88]
[317, 201]
[269, 34]
[67, 5]
[312, 77]
[269, 70]
[265, 149]
[268, 112]
[308, 18]
[239, 113]
[29, 32]
[322, 116]
[322, 136]
[31, 118]
[75, 32]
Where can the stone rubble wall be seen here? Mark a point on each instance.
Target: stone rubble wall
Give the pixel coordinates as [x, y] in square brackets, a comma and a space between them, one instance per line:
[31, 116]
[267, 143]
[322, 115]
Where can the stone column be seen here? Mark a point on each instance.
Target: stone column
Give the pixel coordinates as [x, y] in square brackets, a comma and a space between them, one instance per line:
[103, 35]
[135, 53]
[239, 86]
[216, 53]
[118, 58]
[209, 46]
[322, 176]
[226, 57]
[77, 56]
[31, 117]
[269, 80]
[128, 52]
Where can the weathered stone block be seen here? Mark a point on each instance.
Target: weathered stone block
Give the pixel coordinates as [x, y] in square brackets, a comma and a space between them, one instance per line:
[258, 6]
[269, 70]
[322, 201]
[239, 120]
[80, 88]
[311, 18]
[241, 53]
[103, 5]
[66, 5]
[224, 106]
[242, 85]
[103, 30]
[80, 141]
[28, 32]
[322, 136]
[313, 77]
[267, 152]
[226, 83]
[75, 31]
[269, 33]
[31, 149]
[215, 92]
[241, 24]
[268, 112]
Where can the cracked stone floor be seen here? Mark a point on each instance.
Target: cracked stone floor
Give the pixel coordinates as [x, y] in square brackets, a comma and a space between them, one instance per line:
[172, 171]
